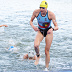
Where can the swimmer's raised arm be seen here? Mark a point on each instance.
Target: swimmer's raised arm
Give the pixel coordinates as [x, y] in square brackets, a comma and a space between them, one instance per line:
[3, 25]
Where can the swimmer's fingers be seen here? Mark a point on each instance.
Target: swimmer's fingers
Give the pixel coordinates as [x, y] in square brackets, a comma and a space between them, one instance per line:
[5, 25]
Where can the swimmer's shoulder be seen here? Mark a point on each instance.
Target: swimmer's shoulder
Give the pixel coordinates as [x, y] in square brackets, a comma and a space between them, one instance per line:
[36, 12]
[25, 56]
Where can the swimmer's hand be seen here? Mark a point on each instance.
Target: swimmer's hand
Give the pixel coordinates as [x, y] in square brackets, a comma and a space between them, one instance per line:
[5, 25]
[49, 31]
[35, 28]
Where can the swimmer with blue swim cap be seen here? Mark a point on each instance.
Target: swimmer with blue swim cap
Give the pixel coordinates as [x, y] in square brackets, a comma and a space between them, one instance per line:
[30, 55]
[12, 47]
[44, 29]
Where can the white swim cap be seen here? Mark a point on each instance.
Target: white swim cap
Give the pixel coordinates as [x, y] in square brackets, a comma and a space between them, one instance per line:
[30, 54]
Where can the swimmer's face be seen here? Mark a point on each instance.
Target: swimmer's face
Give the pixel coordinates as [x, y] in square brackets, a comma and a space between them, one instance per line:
[42, 9]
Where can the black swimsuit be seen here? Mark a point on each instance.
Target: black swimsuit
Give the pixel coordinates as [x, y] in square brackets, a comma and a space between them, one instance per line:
[44, 32]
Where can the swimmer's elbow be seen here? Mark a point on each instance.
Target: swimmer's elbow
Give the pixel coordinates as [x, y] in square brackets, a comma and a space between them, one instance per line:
[30, 22]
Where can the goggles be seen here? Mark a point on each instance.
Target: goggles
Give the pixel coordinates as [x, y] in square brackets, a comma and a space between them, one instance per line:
[42, 7]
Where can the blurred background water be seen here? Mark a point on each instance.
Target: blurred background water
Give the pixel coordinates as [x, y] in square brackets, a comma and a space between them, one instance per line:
[16, 14]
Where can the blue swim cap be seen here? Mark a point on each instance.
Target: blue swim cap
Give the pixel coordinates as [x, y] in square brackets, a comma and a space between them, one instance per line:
[12, 46]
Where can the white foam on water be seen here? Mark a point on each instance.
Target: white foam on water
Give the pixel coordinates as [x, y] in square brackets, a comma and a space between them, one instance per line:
[2, 29]
[41, 62]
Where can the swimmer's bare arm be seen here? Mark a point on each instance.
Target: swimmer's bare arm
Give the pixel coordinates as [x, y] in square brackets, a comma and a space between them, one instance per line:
[53, 18]
[25, 56]
[3, 25]
[31, 21]
[55, 23]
